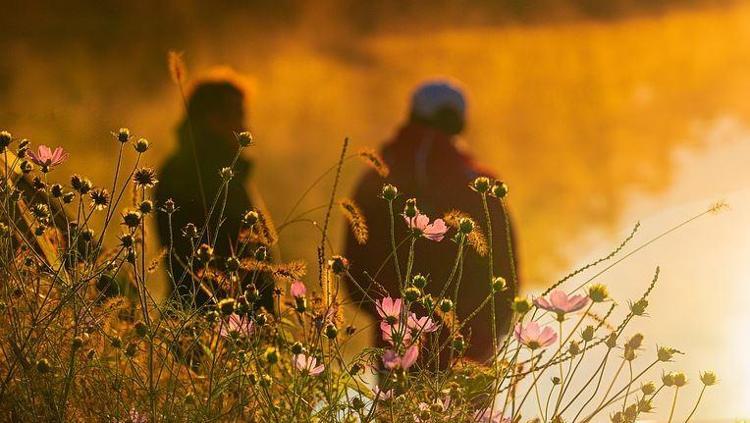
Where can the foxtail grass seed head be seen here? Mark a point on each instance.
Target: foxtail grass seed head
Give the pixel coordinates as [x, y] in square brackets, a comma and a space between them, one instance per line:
[638, 308]
[499, 189]
[245, 139]
[177, 68]
[598, 293]
[356, 219]
[122, 135]
[499, 284]
[373, 160]
[141, 145]
[481, 184]
[521, 305]
[389, 192]
[708, 378]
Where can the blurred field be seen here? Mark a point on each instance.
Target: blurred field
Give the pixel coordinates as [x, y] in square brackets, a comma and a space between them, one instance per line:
[577, 116]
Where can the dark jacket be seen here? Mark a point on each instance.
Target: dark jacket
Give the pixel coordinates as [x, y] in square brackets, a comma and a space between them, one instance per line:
[179, 180]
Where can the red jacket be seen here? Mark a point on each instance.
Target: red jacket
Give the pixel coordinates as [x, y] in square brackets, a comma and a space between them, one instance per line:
[427, 165]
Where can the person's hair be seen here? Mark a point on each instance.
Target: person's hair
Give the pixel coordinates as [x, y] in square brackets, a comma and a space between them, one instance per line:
[215, 91]
[445, 119]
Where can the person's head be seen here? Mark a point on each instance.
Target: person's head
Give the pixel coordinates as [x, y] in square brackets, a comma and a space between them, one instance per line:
[439, 104]
[216, 103]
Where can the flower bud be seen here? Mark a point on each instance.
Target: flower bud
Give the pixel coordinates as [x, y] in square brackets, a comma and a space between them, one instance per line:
[226, 306]
[245, 139]
[521, 305]
[131, 349]
[680, 379]
[635, 341]
[261, 253]
[611, 341]
[146, 207]
[338, 264]
[357, 403]
[668, 379]
[708, 378]
[169, 206]
[499, 189]
[410, 208]
[140, 328]
[68, 197]
[555, 380]
[499, 284]
[226, 174]
[56, 190]
[141, 145]
[250, 218]
[644, 406]
[412, 293]
[271, 355]
[77, 343]
[331, 331]
[598, 293]
[465, 225]
[232, 264]
[205, 253]
[459, 344]
[5, 139]
[419, 281]
[116, 342]
[648, 388]
[43, 366]
[446, 305]
[300, 304]
[389, 192]
[26, 167]
[574, 348]
[131, 219]
[297, 348]
[480, 184]
[123, 135]
[665, 353]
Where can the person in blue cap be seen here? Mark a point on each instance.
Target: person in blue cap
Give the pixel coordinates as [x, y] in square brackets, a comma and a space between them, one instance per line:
[428, 164]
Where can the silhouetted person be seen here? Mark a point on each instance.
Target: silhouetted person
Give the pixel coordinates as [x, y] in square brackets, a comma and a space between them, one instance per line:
[190, 177]
[426, 163]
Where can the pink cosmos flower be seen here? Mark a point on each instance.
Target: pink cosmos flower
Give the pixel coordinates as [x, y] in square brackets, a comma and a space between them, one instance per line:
[535, 337]
[434, 231]
[562, 303]
[135, 417]
[298, 289]
[395, 333]
[46, 158]
[391, 359]
[382, 395]
[237, 325]
[389, 309]
[489, 416]
[308, 364]
[423, 324]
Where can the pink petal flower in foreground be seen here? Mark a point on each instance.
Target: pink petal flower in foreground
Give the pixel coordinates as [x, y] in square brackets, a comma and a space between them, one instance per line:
[308, 364]
[389, 309]
[489, 416]
[533, 336]
[46, 158]
[434, 231]
[396, 333]
[391, 359]
[422, 324]
[237, 325]
[298, 289]
[562, 303]
[382, 395]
